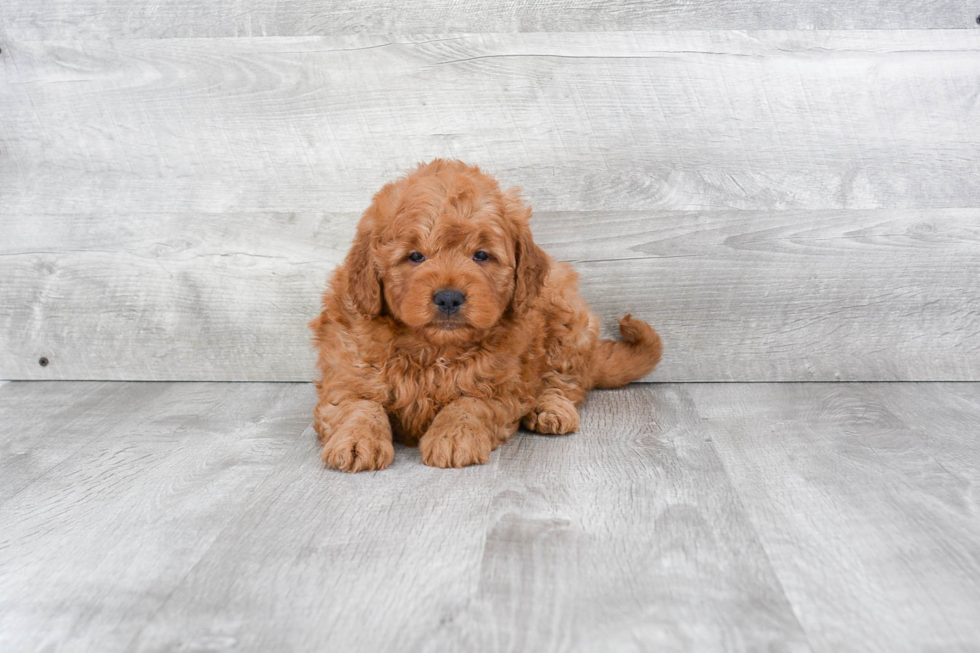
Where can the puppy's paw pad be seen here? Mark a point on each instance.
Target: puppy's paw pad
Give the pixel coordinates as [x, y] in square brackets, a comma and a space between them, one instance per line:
[357, 453]
[456, 446]
[553, 417]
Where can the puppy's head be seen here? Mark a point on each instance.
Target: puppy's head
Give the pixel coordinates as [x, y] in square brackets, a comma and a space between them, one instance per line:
[445, 252]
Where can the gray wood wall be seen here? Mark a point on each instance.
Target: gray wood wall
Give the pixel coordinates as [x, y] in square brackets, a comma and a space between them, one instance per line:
[787, 191]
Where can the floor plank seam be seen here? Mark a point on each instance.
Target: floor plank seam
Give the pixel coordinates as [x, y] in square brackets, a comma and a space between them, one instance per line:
[755, 530]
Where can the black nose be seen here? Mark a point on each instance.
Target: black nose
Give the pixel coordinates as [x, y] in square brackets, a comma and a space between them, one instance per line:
[449, 301]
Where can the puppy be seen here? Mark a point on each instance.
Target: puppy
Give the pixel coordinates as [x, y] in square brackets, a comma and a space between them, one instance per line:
[447, 326]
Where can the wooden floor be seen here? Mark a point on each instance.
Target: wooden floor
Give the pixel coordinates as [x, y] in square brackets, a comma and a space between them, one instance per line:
[715, 517]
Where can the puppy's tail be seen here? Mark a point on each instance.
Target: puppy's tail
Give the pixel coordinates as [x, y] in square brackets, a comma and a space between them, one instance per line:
[618, 363]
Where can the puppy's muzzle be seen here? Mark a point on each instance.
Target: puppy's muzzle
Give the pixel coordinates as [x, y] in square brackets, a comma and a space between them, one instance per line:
[449, 301]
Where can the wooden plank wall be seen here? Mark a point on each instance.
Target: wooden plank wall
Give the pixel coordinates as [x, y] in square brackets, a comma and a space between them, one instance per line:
[787, 193]
[112, 19]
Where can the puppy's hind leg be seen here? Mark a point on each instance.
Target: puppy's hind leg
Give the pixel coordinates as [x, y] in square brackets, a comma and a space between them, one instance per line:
[553, 414]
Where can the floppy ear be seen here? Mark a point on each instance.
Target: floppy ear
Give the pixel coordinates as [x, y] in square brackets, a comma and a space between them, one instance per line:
[363, 276]
[532, 263]
[363, 282]
[532, 269]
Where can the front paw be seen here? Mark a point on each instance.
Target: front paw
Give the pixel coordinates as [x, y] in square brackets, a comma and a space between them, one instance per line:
[456, 445]
[357, 451]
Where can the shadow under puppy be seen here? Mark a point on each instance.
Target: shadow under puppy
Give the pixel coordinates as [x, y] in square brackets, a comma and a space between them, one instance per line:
[447, 326]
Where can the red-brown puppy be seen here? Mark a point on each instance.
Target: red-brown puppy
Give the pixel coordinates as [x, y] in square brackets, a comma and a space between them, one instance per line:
[447, 326]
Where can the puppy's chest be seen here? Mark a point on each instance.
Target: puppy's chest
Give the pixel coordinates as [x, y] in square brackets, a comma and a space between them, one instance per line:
[418, 392]
[441, 381]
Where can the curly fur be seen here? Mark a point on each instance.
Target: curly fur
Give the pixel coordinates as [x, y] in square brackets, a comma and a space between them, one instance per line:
[523, 348]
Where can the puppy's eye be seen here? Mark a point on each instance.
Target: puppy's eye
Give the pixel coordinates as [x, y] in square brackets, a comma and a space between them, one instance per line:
[416, 257]
[480, 256]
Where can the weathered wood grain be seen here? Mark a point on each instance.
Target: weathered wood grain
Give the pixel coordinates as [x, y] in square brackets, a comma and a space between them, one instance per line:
[946, 416]
[156, 297]
[67, 418]
[600, 121]
[737, 295]
[58, 19]
[322, 560]
[622, 537]
[98, 542]
[152, 178]
[623, 534]
[865, 499]
[734, 517]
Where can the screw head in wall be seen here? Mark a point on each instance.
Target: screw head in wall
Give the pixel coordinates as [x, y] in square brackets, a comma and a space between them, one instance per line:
[43, 361]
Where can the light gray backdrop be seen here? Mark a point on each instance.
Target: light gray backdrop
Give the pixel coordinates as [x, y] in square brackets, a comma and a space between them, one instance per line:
[786, 191]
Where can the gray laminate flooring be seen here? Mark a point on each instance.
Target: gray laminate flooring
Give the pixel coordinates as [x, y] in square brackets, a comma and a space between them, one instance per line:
[714, 517]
